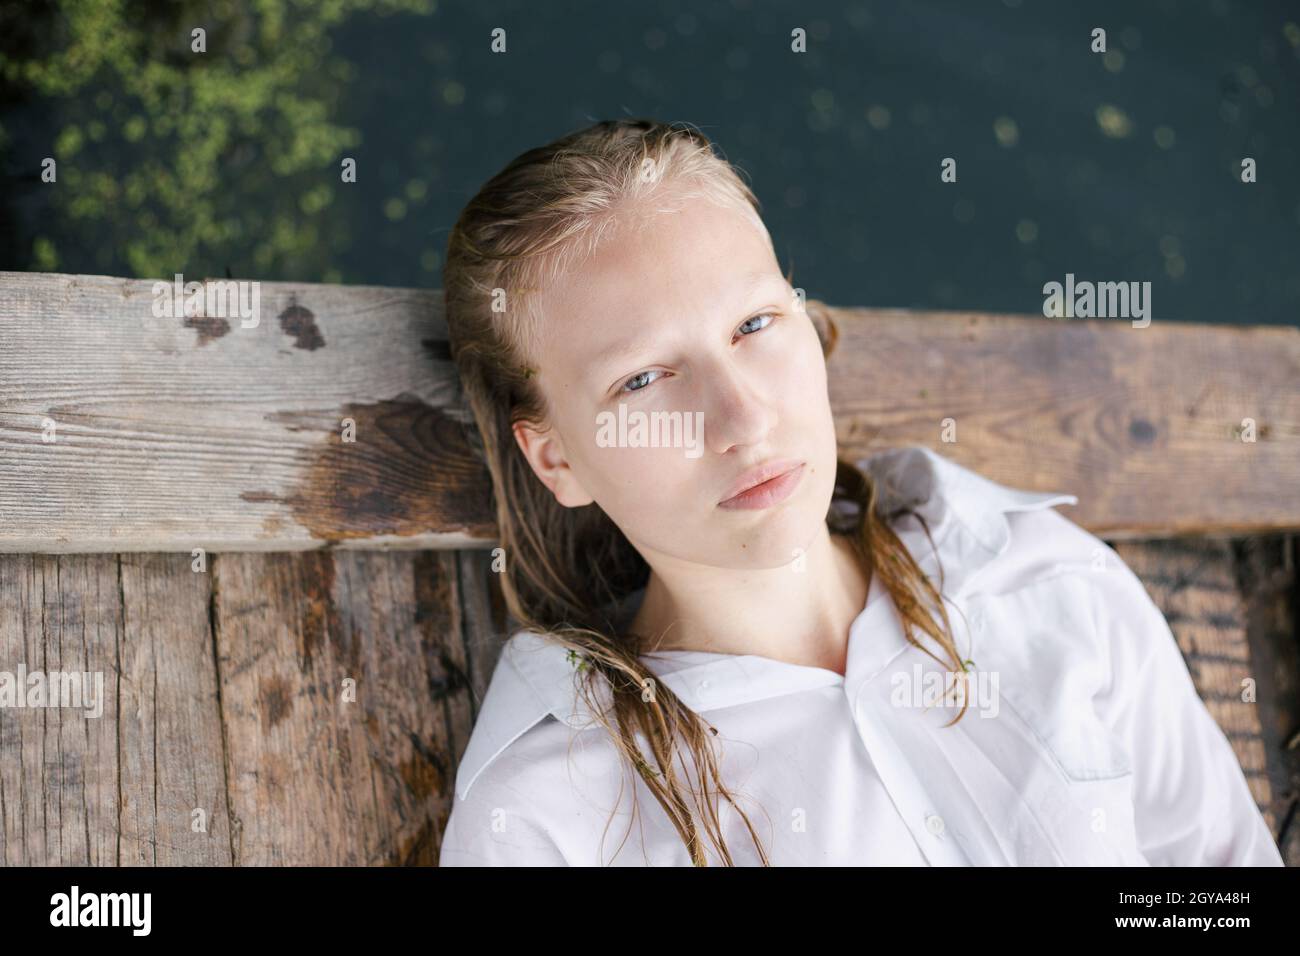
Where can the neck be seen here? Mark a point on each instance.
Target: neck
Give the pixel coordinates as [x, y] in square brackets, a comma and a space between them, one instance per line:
[801, 617]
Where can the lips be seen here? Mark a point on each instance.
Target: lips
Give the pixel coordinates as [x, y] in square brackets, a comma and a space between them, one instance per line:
[756, 476]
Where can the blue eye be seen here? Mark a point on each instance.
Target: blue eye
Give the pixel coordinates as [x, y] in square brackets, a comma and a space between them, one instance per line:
[624, 389]
[635, 378]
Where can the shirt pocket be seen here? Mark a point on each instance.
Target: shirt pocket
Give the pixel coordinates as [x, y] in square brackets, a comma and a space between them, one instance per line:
[1041, 642]
[1081, 747]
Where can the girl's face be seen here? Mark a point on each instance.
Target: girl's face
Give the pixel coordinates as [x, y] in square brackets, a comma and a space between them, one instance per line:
[688, 320]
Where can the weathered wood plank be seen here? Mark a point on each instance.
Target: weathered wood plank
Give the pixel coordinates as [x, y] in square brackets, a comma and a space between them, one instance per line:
[173, 809]
[179, 433]
[316, 777]
[1141, 424]
[1266, 570]
[310, 778]
[119, 788]
[450, 618]
[58, 770]
[483, 624]
[476, 630]
[176, 433]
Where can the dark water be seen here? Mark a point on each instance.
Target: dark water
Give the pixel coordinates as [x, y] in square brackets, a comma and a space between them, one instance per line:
[1118, 167]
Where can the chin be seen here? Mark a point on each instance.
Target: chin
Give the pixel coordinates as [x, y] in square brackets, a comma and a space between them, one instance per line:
[776, 537]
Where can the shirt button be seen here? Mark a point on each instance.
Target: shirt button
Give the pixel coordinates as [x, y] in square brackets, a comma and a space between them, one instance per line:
[704, 685]
[934, 823]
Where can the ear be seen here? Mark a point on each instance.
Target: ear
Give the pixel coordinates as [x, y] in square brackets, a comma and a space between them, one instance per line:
[545, 455]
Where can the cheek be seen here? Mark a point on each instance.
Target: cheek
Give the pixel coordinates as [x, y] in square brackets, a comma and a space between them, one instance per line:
[661, 474]
[645, 496]
[642, 481]
[798, 374]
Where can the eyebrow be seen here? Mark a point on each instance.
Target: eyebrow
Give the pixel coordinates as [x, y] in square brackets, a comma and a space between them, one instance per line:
[626, 350]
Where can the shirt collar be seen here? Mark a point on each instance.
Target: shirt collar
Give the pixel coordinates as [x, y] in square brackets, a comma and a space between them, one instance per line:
[966, 516]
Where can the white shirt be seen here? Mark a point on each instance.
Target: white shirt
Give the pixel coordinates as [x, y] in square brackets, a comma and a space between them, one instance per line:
[1084, 741]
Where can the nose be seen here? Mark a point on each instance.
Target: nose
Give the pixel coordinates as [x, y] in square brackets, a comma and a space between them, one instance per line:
[737, 408]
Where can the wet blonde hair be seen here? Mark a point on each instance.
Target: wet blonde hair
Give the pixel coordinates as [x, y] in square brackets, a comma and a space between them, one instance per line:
[568, 569]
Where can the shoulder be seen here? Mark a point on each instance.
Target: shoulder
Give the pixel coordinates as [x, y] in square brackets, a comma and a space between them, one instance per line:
[535, 687]
[523, 805]
[531, 776]
[962, 526]
[1046, 546]
[1053, 606]
[991, 539]
[529, 761]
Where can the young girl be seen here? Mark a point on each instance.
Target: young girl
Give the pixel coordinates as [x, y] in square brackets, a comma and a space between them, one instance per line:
[737, 648]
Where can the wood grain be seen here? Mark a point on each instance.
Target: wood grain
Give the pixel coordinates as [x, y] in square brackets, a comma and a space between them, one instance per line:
[172, 784]
[179, 433]
[1141, 424]
[223, 694]
[142, 782]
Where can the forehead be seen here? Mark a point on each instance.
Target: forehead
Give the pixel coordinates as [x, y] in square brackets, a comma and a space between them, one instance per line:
[700, 255]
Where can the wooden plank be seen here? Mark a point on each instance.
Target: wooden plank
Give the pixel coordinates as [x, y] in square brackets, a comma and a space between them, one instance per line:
[120, 788]
[483, 624]
[306, 776]
[1267, 575]
[1141, 424]
[179, 433]
[176, 433]
[447, 609]
[316, 778]
[58, 770]
[173, 808]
